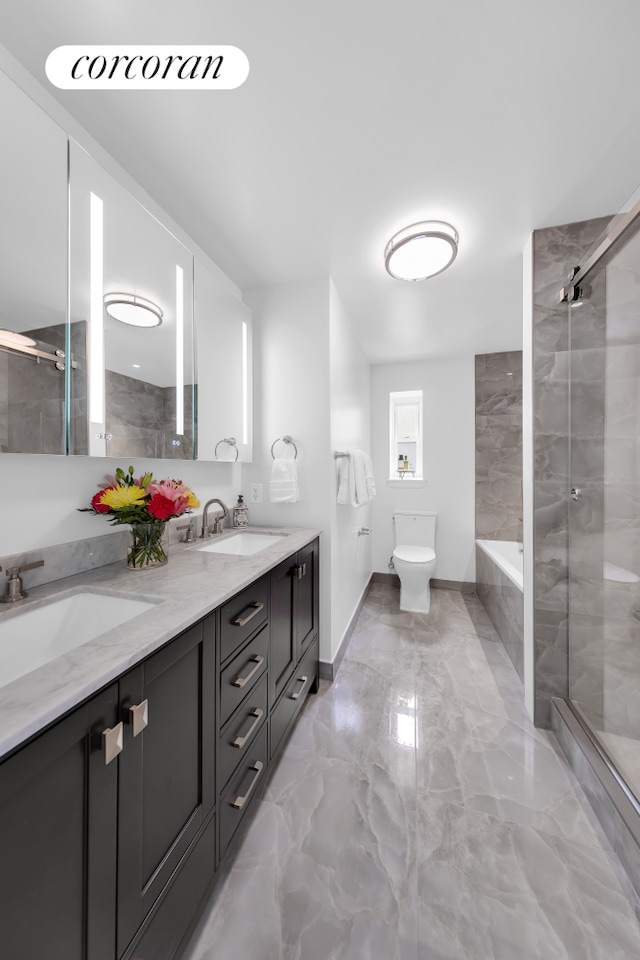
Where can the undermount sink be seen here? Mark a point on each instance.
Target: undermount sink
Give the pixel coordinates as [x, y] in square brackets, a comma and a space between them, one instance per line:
[39, 634]
[243, 544]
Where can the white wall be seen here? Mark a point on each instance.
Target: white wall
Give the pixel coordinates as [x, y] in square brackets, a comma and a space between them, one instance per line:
[291, 396]
[40, 495]
[448, 385]
[350, 428]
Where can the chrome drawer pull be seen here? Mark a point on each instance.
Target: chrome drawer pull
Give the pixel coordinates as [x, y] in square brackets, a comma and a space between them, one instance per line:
[239, 802]
[258, 714]
[242, 681]
[255, 608]
[296, 696]
[112, 742]
[139, 716]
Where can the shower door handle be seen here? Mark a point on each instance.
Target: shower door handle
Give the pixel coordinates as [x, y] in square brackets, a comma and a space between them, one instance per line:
[576, 493]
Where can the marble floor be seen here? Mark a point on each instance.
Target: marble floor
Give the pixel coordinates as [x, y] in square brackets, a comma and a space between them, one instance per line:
[416, 814]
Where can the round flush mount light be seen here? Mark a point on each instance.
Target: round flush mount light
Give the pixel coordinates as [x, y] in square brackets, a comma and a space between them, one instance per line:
[421, 250]
[18, 338]
[134, 310]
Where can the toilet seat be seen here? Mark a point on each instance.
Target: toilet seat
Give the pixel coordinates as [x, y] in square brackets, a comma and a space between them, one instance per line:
[411, 554]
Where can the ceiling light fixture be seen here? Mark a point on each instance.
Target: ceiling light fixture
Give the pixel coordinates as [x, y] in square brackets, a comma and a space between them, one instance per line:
[18, 338]
[134, 310]
[421, 250]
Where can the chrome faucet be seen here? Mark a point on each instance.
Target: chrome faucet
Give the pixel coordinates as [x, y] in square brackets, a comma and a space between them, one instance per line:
[217, 522]
[14, 583]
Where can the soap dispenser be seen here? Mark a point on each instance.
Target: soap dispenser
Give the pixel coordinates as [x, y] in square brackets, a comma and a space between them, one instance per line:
[241, 513]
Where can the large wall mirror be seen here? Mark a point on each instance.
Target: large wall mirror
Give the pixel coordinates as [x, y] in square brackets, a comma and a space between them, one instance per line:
[33, 276]
[131, 324]
[223, 342]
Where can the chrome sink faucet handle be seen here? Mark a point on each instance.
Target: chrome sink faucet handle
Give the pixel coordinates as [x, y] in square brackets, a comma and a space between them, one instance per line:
[217, 526]
[14, 583]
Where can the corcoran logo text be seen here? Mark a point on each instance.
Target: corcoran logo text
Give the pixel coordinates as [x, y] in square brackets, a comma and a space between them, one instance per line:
[97, 67]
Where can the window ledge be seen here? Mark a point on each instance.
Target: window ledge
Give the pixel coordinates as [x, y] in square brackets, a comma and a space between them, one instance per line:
[407, 482]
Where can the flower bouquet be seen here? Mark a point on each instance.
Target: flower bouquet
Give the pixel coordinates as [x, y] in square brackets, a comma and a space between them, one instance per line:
[146, 505]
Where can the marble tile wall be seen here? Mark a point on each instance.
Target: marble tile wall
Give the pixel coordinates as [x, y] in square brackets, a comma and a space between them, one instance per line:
[35, 398]
[499, 446]
[141, 419]
[504, 603]
[555, 251]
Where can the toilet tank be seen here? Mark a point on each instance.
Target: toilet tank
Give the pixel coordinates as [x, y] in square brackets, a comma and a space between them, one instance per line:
[417, 529]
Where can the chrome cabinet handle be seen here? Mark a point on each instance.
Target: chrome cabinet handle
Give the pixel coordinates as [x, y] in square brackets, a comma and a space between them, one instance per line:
[258, 714]
[255, 608]
[242, 681]
[139, 717]
[296, 696]
[112, 742]
[300, 571]
[239, 802]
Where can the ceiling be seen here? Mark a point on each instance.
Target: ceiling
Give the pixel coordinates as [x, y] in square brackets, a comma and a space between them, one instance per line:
[358, 118]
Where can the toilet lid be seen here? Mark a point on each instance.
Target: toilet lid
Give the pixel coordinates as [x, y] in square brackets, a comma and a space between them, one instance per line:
[414, 554]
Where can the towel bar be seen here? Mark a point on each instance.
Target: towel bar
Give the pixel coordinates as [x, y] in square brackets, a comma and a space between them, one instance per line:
[285, 439]
[232, 442]
[340, 453]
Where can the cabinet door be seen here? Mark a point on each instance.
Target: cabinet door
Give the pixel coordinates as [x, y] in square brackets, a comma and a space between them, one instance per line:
[282, 658]
[166, 786]
[306, 598]
[58, 822]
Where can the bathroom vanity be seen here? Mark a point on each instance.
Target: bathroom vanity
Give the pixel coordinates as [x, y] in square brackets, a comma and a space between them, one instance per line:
[130, 764]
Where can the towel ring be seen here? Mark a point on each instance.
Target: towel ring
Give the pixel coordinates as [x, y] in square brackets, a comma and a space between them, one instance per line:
[285, 439]
[233, 443]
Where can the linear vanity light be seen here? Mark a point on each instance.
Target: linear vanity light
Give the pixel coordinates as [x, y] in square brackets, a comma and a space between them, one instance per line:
[245, 382]
[179, 350]
[421, 250]
[96, 308]
[132, 309]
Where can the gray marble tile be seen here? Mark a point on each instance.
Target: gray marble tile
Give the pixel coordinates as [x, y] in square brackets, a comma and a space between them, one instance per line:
[416, 814]
[499, 446]
[504, 603]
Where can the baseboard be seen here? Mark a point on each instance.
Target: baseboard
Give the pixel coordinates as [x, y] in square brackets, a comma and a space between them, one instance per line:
[464, 586]
[329, 669]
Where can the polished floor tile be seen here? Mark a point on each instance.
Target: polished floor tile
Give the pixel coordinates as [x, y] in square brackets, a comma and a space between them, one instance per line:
[416, 814]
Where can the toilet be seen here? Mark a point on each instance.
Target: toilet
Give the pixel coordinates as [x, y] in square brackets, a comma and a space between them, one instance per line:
[414, 558]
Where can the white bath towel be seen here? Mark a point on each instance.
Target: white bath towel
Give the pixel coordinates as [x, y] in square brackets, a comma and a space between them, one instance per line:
[283, 487]
[356, 484]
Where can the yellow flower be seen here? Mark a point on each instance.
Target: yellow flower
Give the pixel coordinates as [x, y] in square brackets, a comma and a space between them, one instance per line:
[116, 497]
[192, 500]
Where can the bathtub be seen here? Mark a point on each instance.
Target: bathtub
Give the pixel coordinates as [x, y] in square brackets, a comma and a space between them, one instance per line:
[499, 585]
[506, 553]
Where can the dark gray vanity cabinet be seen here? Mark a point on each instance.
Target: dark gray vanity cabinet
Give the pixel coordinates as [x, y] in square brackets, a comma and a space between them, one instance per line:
[294, 614]
[58, 826]
[114, 820]
[166, 786]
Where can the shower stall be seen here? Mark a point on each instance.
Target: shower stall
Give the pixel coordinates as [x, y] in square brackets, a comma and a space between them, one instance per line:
[597, 718]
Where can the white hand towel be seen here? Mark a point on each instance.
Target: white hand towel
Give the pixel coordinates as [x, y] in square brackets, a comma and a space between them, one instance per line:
[355, 479]
[283, 487]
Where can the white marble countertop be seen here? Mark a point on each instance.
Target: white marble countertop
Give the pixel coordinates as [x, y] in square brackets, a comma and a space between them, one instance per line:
[187, 588]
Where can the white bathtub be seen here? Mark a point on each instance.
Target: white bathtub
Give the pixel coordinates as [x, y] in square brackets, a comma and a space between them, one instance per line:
[506, 554]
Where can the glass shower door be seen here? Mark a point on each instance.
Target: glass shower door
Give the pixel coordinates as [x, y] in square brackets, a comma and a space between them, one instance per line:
[604, 512]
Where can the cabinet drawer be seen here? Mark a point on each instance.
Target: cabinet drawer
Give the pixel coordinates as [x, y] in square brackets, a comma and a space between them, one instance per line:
[242, 615]
[241, 731]
[241, 675]
[294, 695]
[243, 788]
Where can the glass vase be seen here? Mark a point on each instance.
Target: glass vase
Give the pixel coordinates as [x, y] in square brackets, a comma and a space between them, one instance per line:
[149, 544]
